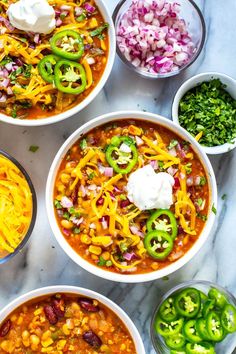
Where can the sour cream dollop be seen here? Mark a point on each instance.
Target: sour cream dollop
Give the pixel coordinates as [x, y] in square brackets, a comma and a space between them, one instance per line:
[150, 190]
[32, 15]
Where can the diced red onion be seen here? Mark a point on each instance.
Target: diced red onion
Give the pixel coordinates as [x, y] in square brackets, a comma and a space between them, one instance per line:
[129, 256]
[172, 171]
[92, 187]
[117, 190]
[90, 60]
[82, 190]
[108, 172]
[1, 44]
[58, 22]
[89, 7]
[66, 232]
[152, 36]
[9, 91]
[173, 152]
[189, 181]
[100, 201]
[154, 164]
[7, 23]
[197, 181]
[135, 230]
[139, 141]
[37, 38]
[66, 202]
[177, 183]
[92, 226]
[180, 151]
[3, 98]
[78, 11]
[65, 7]
[5, 83]
[101, 168]
[76, 221]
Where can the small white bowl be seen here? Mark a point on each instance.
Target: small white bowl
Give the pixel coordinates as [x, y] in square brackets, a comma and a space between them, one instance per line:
[79, 107]
[129, 278]
[6, 311]
[193, 82]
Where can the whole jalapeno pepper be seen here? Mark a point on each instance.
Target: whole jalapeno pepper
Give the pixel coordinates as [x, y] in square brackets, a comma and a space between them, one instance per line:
[228, 318]
[122, 154]
[166, 329]
[46, 67]
[188, 302]
[158, 244]
[164, 220]
[214, 326]
[167, 310]
[70, 77]
[68, 44]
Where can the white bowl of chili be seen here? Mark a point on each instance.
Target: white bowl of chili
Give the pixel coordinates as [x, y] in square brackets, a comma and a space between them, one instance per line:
[43, 98]
[224, 127]
[68, 238]
[79, 302]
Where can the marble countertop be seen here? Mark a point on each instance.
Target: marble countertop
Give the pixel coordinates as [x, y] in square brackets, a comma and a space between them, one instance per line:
[43, 262]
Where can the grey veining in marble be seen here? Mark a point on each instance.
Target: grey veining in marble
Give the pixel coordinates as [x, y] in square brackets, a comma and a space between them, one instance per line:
[43, 262]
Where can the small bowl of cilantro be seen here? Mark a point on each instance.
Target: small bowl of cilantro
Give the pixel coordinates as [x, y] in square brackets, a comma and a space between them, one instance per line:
[205, 105]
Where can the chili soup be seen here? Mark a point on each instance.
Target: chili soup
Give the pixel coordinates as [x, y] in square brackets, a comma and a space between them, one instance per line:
[64, 323]
[45, 74]
[131, 197]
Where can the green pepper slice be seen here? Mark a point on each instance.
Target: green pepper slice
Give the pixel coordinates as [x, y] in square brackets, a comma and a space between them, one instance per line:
[163, 220]
[190, 332]
[158, 244]
[46, 67]
[214, 326]
[202, 329]
[188, 302]
[68, 44]
[166, 329]
[178, 351]
[228, 318]
[122, 161]
[167, 310]
[204, 299]
[176, 341]
[70, 77]
[208, 306]
[200, 348]
[220, 299]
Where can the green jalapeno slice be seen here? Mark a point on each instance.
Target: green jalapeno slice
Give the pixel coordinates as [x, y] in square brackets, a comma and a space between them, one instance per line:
[168, 311]
[214, 326]
[46, 67]
[70, 77]
[200, 348]
[122, 154]
[228, 318]
[175, 341]
[158, 244]
[220, 299]
[190, 332]
[188, 302]
[163, 220]
[169, 328]
[68, 44]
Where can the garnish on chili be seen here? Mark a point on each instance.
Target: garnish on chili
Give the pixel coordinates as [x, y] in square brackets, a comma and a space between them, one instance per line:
[70, 77]
[158, 244]
[163, 220]
[46, 67]
[68, 44]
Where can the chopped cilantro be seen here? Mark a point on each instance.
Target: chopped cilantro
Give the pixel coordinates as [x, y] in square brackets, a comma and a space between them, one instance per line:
[27, 71]
[123, 197]
[199, 201]
[161, 165]
[109, 263]
[14, 111]
[83, 144]
[209, 108]
[202, 181]
[202, 217]
[98, 31]
[76, 230]
[172, 144]
[224, 196]
[91, 175]
[66, 216]
[81, 18]
[101, 262]
[214, 209]
[33, 148]
[123, 247]
[5, 61]
[57, 204]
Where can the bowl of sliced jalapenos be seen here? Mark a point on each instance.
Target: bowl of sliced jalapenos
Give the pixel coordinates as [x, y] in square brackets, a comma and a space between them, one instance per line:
[197, 317]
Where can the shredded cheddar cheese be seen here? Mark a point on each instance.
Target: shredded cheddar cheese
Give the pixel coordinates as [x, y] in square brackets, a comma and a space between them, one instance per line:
[15, 206]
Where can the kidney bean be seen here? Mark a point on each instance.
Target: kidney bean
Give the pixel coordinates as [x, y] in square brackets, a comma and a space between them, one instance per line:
[92, 339]
[124, 203]
[58, 307]
[74, 195]
[50, 314]
[5, 328]
[87, 304]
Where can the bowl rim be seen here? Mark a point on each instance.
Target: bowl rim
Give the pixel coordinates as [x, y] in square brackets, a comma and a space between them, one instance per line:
[34, 294]
[93, 94]
[130, 278]
[180, 286]
[193, 82]
[166, 75]
[34, 206]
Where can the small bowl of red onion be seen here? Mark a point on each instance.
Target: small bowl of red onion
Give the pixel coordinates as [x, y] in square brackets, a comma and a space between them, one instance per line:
[159, 38]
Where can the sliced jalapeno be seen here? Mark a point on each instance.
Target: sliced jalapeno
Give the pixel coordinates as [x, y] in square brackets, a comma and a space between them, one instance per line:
[190, 332]
[163, 220]
[220, 299]
[68, 44]
[178, 351]
[208, 306]
[46, 67]
[214, 327]
[169, 328]
[122, 154]
[175, 341]
[188, 302]
[228, 318]
[158, 244]
[200, 348]
[70, 77]
[167, 310]
[202, 330]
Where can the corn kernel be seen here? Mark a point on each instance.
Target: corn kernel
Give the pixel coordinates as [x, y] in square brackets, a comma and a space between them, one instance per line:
[65, 330]
[93, 23]
[61, 344]
[67, 224]
[123, 347]
[8, 346]
[38, 311]
[47, 342]
[86, 239]
[95, 250]
[104, 348]
[155, 265]
[46, 335]
[103, 45]
[106, 256]
[20, 320]
[34, 339]
[65, 178]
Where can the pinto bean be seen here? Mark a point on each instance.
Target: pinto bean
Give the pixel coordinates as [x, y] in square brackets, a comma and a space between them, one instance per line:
[92, 339]
[87, 304]
[50, 314]
[58, 307]
[5, 328]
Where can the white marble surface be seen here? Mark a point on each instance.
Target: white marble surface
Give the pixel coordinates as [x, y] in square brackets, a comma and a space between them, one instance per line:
[43, 262]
